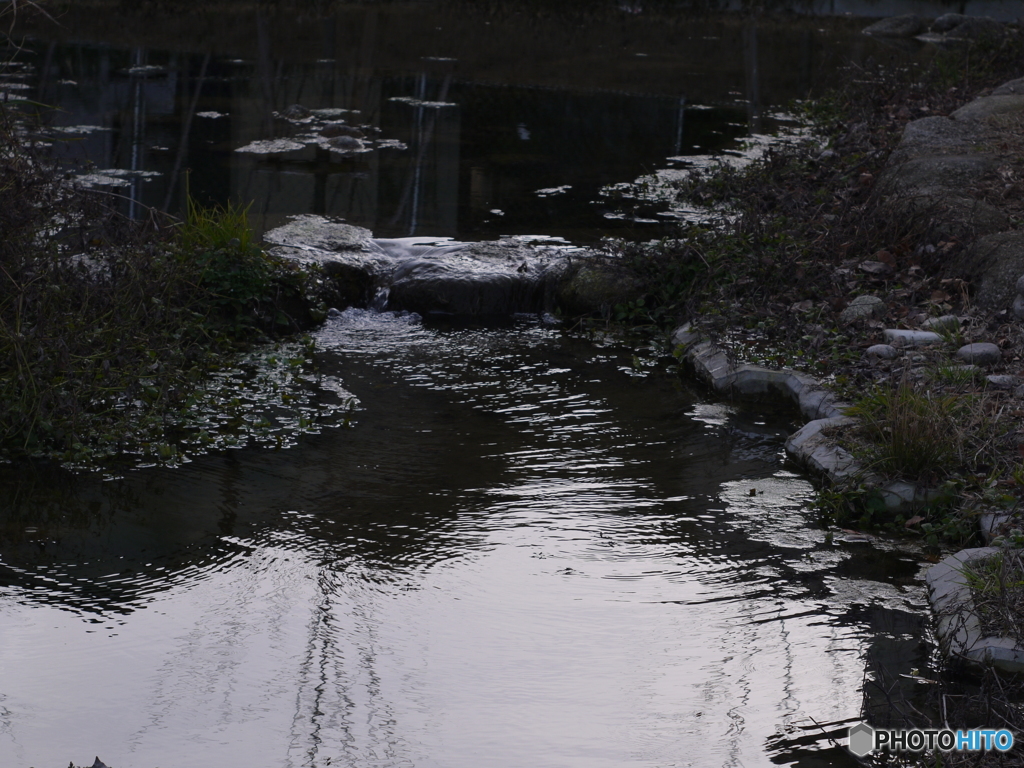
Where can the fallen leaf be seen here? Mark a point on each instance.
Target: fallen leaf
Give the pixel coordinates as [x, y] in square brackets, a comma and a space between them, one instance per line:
[885, 257]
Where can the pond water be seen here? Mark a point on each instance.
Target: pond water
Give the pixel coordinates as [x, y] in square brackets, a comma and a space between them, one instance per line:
[477, 119]
[529, 548]
[526, 551]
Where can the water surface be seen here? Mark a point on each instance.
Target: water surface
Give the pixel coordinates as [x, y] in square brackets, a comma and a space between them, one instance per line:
[525, 552]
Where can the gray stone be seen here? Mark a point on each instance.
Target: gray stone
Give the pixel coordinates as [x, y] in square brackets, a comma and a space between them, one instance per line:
[901, 496]
[980, 354]
[316, 232]
[881, 352]
[947, 213]
[929, 136]
[908, 25]
[948, 323]
[862, 307]
[929, 175]
[813, 449]
[1018, 307]
[990, 106]
[976, 28]
[995, 263]
[476, 279]
[901, 338]
[685, 335]
[948, 21]
[959, 629]
[756, 383]
[1002, 381]
[1009, 88]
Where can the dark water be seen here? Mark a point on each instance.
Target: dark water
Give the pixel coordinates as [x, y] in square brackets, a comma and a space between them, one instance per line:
[509, 119]
[525, 552]
[529, 549]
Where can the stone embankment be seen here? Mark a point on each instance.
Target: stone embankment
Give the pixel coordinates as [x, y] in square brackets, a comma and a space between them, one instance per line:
[947, 169]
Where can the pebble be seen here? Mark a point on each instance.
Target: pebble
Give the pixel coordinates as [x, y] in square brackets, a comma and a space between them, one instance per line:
[882, 352]
[982, 353]
[901, 338]
[861, 307]
[944, 323]
[1002, 381]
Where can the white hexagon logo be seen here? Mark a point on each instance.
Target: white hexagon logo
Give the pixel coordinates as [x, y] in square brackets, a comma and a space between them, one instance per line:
[862, 739]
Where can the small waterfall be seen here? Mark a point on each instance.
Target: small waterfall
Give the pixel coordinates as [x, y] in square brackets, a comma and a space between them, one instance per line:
[379, 302]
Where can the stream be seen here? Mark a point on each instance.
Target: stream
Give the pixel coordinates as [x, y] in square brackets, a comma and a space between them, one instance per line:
[529, 547]
[526, 551]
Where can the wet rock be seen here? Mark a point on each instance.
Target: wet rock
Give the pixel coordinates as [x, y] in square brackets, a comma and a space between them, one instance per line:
[346, 144]
[333, 130]
[948, 323]
[995, 263]
[861, 308]
[476, 279]
[908, 25]
[296, 112]
[273, 147]
[316, 232]
[980, 354]
[881, 352]
[898, 337]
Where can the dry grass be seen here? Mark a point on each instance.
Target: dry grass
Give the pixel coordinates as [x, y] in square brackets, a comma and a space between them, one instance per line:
[997, 588]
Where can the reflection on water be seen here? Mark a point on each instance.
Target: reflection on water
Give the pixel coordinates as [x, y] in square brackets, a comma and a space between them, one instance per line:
[525, 553]
[469, 120]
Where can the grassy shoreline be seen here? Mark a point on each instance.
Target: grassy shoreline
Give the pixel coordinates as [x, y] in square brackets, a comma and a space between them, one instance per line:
[801, 227]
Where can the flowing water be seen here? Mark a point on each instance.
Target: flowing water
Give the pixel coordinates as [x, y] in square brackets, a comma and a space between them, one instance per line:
[529, 549]
[525, 551]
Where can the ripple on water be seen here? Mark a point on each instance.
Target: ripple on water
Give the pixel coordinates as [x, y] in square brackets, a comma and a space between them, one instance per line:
[520, 556]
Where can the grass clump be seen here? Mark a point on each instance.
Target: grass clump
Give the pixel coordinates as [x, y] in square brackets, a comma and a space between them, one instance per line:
[911, 431]
[997, 589]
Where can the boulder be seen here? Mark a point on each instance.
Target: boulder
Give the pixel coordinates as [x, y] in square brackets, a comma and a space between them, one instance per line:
[908, 25]
[936, 135]
[988, 107]
[995, 263]
[947, 21]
